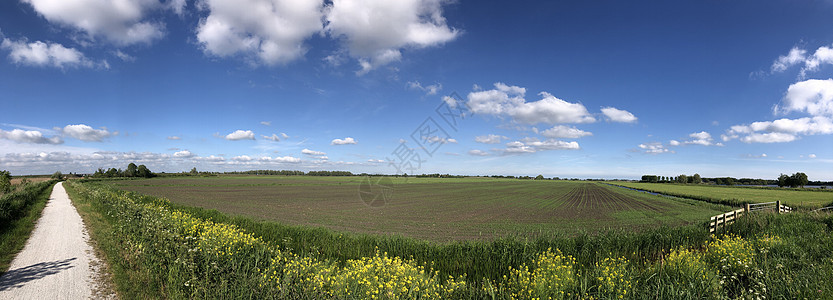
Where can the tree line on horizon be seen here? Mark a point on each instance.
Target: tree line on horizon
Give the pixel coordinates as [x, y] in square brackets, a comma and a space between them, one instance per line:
[798, 179]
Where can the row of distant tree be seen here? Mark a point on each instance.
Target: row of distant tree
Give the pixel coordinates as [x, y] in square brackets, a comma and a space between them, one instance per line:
[796, 180]
[132, 170]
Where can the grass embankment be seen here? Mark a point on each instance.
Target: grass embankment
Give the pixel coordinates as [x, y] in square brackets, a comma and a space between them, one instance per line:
[158, 250]
[19, 212]
[738, 196]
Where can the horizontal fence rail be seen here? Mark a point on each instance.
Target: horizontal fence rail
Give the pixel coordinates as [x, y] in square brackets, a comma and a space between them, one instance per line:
[725, 219]
[824, 209]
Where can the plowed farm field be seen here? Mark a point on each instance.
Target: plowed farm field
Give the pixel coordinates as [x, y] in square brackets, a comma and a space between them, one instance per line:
[436, 209]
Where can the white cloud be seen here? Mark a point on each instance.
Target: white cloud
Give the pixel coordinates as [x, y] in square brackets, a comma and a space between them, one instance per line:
[376, 161]
[281, 159]
[772, 137]
[509, 100]
[700, 138]
[124, 56]
[813, 96]
[674, 143]
[122, 22]
[811, 156]
[312, 152]
[47, 54]
[823, 55]
[273, 137]
[786, 130]
[283, 135]
[86, 133]
[29, 136]
[618, 115]
[450, 101]
[441, 140]
[174, 138]
[565, 132]
[345, 141]
[183, 154]
[532, 145]
[263, 31]
[654, 148]
[783, 62]
[476, 152]
[428, 89]
[375, 30]
[242, 158]
[266, 123]
[240, 135]
[489, 139]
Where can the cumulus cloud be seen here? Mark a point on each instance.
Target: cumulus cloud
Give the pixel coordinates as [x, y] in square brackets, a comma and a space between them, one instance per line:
[86, 133]
[428, 89]
[811, 156]
[532, 145]
[345, 141]
[701, 138]
[823, 55]
[654, 148]
[123, 22]
[509, 100]
[564, 132]
[812, 97]
[29, 136]
[183, 154]
[476, 152]
[793, 58]
[280, 159]
[266, 123]
[273, 137]
[618, 115]
[45, 54]
[174, 138]
[375, 31]
[264, 31]
[240, 135]
[312, 152]
[489, 139]
[673, 143]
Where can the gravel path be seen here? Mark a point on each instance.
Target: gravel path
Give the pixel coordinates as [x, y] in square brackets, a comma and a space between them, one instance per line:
[57, 261]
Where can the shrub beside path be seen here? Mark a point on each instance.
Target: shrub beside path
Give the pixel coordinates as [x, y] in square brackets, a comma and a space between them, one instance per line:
[57, 261]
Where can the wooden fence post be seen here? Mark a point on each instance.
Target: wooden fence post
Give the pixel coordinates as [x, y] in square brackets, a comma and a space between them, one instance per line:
[746, 208]
[778, 206]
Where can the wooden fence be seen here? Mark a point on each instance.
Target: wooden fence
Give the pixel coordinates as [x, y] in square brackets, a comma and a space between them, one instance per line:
[725, 219]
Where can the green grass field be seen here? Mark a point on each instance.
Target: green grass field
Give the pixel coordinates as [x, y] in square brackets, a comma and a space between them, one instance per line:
[436, 209]
[724, 194]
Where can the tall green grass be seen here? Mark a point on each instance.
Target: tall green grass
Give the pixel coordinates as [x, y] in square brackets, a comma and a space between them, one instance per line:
[154, 254]
[19, 211]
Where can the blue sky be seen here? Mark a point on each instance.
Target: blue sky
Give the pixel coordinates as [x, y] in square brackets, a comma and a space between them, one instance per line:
[607, 89]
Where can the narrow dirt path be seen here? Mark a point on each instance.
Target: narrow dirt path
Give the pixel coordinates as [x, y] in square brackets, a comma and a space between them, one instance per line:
[57, 261]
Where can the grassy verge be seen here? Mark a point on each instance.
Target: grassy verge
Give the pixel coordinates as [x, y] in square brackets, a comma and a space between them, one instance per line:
[19, 212]
[158, 250]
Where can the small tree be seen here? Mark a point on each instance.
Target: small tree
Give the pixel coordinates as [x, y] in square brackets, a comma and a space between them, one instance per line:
[143, 171]
[798, 180]
[131, 171]
[682, 179]
[5, 181]
[697, 179]
[57, 175]
[783, 180]
[539, 177]
[194, 171]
